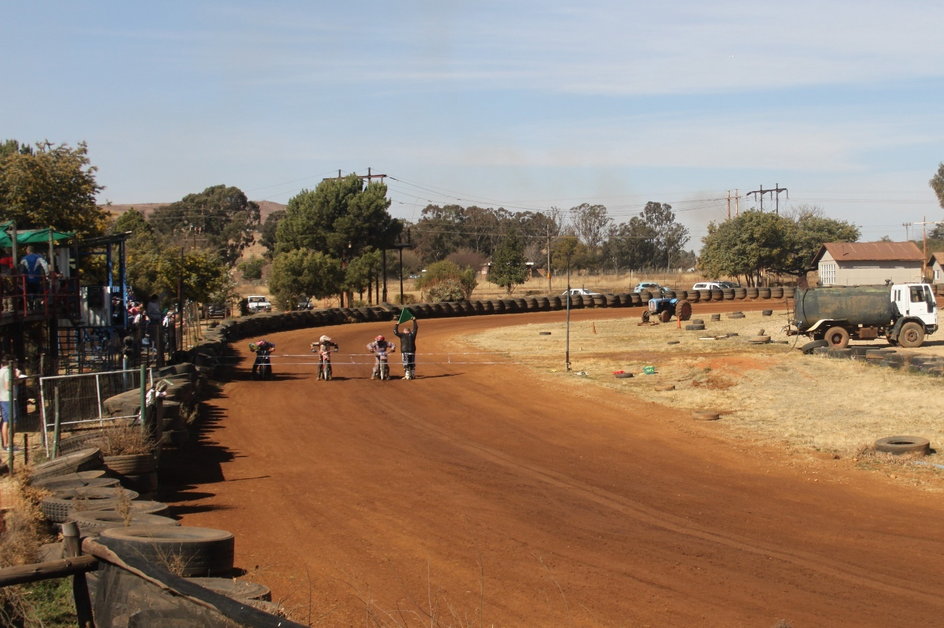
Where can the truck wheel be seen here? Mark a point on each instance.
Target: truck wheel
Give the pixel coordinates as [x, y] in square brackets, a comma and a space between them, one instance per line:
[837, 337]
[683, 310]
[911, 335]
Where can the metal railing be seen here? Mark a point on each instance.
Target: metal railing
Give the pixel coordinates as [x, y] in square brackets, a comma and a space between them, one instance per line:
[74, 400]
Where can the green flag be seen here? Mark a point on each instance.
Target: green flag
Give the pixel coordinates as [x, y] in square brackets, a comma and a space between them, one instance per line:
[405, 315]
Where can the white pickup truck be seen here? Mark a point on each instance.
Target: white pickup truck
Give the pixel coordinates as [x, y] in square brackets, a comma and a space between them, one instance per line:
[258, 303]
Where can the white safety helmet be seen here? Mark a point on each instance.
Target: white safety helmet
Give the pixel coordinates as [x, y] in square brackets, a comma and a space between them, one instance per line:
[324, 339]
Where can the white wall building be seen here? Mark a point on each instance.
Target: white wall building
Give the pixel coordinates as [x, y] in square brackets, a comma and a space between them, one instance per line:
[868, 263]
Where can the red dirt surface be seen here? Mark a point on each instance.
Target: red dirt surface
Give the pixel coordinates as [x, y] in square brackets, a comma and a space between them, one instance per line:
[479, 495]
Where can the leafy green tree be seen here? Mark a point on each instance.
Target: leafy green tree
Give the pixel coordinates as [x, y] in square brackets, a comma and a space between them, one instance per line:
[341, 217]
[267, 233]
[361, 271]
[568, 253]
[467, 258]
[50, 186]
[508, 267]
[810, 231]
[757, 242]
[132, 221]
[302, 272]
[156, 271]
[438, 232]
[669, 236]
[252, 267]
[631, 245]
[748, 245]
[446, 281]
[937, 184]
[590, 223]
[220, 218]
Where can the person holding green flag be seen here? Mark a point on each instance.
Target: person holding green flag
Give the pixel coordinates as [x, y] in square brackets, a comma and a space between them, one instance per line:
[407, 342]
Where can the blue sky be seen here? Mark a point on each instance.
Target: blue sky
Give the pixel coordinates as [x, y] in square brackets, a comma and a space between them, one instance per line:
[523, 105]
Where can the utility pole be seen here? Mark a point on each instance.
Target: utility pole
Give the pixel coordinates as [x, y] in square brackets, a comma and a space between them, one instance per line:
[906, 225]
[774, 193]
[737, 203]
[548, 267]
[363, 177]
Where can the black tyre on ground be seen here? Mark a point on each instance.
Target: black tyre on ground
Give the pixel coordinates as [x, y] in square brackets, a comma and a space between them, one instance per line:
[903, 445]
[187, 550]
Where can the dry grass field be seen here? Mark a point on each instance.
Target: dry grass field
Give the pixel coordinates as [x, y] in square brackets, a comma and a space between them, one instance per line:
[767, 392]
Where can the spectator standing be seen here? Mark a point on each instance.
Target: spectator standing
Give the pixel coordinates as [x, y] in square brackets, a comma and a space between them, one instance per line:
[407, 344]
[34, 268]
[9, 377]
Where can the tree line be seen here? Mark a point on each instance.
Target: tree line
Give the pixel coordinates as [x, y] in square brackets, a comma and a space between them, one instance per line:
[338, 238]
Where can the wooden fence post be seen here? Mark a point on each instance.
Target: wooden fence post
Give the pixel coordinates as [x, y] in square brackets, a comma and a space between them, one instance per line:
[83, 604]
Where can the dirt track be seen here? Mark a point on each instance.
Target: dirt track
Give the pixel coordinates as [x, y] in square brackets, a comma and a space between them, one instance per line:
[481, 497]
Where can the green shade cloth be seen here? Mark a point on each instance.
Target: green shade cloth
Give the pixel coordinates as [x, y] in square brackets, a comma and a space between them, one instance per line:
[32, 236]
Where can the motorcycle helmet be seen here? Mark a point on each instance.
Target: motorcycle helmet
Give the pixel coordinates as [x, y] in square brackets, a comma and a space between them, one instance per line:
[379, 338]
[324, 339]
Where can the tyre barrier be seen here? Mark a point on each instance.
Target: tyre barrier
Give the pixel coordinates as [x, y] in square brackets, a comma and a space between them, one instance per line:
[92, 522]
[78, 475]
[80, 460]
[191, 551]
[236, 589]
[131, 464]
[236, 329]
[60, 483]
[140, 506]
[56, 507]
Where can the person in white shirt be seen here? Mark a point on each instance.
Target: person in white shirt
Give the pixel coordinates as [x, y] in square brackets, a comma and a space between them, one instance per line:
[9, 374]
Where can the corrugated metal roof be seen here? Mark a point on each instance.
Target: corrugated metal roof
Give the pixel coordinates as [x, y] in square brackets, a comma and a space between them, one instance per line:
[873, 251]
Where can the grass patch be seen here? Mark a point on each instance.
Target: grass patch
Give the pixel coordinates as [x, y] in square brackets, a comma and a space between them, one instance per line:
[47, 603]
[767, 392]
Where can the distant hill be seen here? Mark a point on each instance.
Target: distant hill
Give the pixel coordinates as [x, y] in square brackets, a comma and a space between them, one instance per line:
[265, 208]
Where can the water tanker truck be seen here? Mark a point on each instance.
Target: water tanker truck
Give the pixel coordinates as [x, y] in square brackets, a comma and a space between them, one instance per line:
[901, 313]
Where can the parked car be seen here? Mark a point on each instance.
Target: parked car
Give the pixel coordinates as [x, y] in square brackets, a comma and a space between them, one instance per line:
[216, 310]
[580, 292]
[304, 304]
[715, 285]
[258, 303]
[651, 286]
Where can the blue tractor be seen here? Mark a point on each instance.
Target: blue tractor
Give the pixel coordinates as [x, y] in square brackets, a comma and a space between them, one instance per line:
[664, 309]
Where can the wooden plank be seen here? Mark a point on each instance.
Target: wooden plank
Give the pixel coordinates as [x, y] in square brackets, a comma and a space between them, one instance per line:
[50, 569]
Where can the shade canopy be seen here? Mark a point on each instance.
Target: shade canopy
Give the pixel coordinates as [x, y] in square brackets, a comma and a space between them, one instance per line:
[31, 236]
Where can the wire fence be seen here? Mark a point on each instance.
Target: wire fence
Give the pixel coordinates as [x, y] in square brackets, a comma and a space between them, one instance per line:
[79, 399]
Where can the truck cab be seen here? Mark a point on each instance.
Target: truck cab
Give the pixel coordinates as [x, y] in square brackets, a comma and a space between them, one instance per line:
[916, 300]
